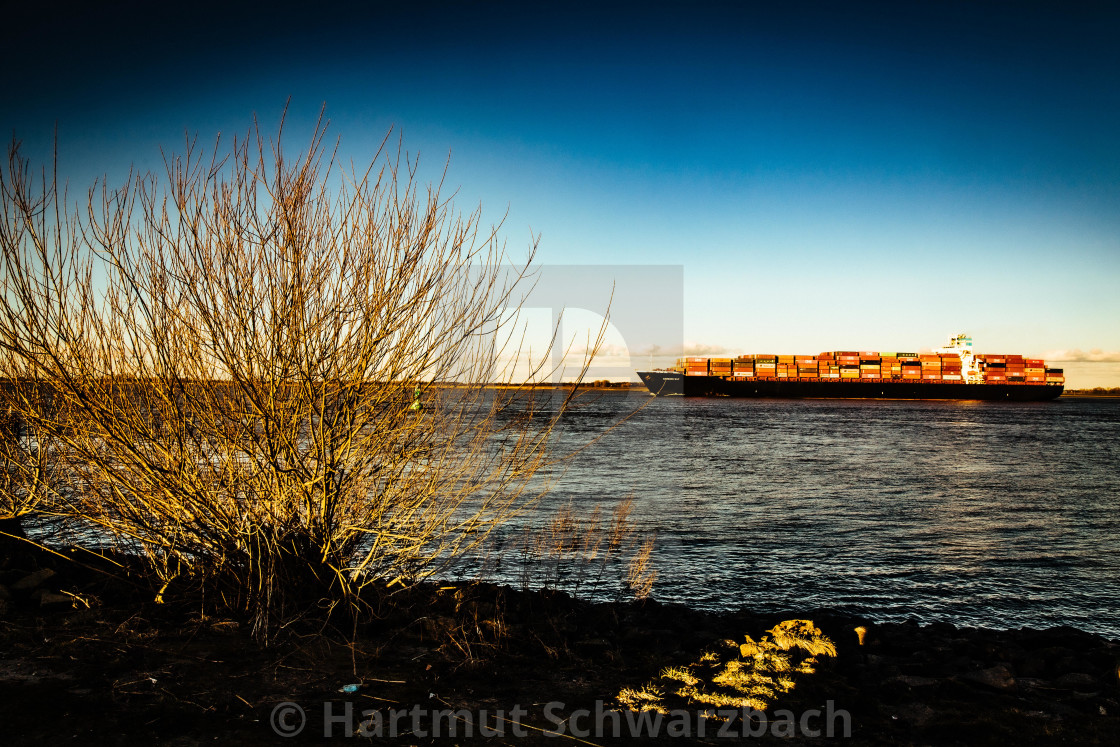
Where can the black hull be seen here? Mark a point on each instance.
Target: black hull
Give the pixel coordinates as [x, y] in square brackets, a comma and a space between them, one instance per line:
[671, 382]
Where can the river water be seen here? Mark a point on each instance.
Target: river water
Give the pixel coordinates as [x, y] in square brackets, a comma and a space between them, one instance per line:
[975, 513]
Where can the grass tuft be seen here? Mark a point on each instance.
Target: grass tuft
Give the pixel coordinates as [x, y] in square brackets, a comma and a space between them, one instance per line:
[759, 673]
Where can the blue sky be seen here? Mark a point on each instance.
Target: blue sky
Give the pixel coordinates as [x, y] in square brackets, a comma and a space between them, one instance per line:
[830, 175]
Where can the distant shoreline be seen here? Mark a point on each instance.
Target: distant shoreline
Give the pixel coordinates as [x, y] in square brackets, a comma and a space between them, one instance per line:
[620, 386]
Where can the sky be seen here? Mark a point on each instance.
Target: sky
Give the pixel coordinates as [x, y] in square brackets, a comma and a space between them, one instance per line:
[823, 175]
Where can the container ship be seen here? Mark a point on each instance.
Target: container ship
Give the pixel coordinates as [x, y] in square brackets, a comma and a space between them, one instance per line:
[951, 372]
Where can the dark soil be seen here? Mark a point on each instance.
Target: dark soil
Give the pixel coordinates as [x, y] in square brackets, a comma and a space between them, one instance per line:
[127, 671]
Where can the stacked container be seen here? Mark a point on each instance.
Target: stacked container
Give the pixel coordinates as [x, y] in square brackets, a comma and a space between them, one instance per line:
[1035, 370]
[766, 365]
[1015, 367]
[743, 367]
[872, 366]
[910, 365]
[694, 366]
[719, 366]
[994, 368]
[951, 368]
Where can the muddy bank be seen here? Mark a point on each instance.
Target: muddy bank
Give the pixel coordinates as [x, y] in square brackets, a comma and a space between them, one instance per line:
[89, 659]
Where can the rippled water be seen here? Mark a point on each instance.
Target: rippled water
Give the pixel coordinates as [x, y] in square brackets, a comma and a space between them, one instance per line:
[974, 513]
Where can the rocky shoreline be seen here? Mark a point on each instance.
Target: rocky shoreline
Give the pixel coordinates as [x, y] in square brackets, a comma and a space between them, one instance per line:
[91, 659]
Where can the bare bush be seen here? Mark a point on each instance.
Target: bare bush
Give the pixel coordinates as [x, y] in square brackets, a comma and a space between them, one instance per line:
[266, 372]
[30, 468]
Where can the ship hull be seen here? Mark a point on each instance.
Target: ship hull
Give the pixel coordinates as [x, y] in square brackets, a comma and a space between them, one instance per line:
[674, 383]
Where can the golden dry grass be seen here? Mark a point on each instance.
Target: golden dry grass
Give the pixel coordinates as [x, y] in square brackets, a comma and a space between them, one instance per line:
[733, 675]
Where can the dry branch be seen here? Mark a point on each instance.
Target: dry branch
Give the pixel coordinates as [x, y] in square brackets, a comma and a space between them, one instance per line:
[223, 365]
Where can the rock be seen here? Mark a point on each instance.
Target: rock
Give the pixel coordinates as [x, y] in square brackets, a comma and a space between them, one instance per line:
[635, 634]
[943, 629]
[4, 593]
[914, 680]
[49, 597]
[438, 626]
[1031, 665]
[32, 580]
[956, 664]
[1032, 683]
[1064, 709]
[1045, 662]
[225, 626]
[997, 677]
[1077, 681]
[917, 714]
[484, 610]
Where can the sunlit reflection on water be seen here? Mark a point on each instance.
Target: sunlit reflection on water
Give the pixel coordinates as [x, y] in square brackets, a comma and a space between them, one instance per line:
[989, 514]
